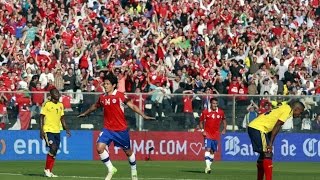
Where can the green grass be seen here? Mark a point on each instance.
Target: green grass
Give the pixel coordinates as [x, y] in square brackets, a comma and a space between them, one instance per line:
[153, 170]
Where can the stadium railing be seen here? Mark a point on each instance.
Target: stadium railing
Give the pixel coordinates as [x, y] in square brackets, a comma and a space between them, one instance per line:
[172, 112]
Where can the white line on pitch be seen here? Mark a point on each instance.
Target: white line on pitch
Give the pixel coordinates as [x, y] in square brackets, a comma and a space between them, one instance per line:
[85, 177]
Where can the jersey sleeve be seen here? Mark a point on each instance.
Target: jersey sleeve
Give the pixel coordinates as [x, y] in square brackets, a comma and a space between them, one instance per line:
[285, 113]
[44, 109]
[98, 103]
[124, 98]
[203, 115]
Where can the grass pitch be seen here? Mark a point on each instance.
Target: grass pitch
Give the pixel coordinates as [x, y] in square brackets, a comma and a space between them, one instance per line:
[156, 170]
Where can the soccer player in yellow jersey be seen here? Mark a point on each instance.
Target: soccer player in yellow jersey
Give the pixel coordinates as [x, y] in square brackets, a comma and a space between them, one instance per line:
[263, 130]
[51, 119]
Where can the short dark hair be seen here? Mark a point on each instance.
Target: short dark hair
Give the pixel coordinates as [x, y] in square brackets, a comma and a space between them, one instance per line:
[213, 99]
[54, 90]
[182, 85]
[297, 103]
[112, 78]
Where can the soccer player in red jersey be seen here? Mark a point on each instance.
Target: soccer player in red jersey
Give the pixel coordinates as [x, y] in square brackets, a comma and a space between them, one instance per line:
[210, 121]
[115, 127]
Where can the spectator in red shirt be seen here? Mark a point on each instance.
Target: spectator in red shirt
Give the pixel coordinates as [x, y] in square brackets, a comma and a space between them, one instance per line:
[138, 100]
[265, 104]
[23, 102]
[243, 92]
[50, 85]
[188, 109]
[66, 101]
[67, 37]
[233, 87]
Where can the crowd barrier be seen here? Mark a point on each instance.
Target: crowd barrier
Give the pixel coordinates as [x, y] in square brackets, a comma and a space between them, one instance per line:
[170, 114]
[177, 146]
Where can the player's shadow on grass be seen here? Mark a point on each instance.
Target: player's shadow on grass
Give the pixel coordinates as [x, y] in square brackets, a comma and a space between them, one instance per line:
[192, 171]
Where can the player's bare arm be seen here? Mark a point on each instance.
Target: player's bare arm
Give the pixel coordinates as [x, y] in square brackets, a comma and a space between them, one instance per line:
[202, 128]
[65, 127]
[274, 133]
[224, 121]
[88, 111]
[41, 126]
[137, 110]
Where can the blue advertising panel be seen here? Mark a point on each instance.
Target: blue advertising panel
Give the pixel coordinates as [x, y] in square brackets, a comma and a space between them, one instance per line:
[287, 147]
[27, 145]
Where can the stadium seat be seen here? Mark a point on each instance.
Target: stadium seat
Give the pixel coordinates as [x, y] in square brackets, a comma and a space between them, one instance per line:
[195, 114]
[86, 126]
[33, 121]
[148, 106]
[230, 127]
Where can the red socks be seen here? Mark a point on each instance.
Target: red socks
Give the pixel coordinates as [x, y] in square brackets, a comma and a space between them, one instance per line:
[267, 167]
[260, 170]
[49, 162]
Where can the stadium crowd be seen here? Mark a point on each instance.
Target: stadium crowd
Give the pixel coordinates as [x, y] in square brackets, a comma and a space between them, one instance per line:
[158, 47]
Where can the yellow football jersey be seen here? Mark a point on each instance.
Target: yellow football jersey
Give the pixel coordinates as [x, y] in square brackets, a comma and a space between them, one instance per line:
[265, 122]
[53, 113]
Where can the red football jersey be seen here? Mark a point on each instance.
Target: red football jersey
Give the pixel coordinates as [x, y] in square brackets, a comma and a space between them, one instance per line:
[187, 104]
[3, 109]
[23, 102]
[66, 101]
[212, 121]
[113, 110]
[37, 98]
[136, 100]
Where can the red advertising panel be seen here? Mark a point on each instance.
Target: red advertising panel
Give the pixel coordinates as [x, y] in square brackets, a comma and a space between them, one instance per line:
[165, 145]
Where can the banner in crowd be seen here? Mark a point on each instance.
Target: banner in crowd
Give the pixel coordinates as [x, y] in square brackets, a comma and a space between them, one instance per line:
[161, 146]
[287, 147]
[27, 145]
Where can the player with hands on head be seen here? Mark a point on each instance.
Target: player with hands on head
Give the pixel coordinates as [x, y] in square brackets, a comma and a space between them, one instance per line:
[210, 122]
[115, 127]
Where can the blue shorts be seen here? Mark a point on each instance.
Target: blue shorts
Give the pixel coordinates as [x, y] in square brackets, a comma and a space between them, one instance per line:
[119, 138]
[211, 144]
[52, 138]
[259, 140]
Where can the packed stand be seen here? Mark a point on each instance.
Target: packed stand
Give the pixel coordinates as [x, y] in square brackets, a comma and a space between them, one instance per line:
[190, 47]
